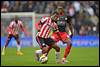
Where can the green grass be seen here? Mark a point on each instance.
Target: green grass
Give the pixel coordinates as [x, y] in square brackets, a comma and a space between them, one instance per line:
[77, 57]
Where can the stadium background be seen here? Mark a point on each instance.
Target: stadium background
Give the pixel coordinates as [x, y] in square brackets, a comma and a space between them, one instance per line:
[85, 18]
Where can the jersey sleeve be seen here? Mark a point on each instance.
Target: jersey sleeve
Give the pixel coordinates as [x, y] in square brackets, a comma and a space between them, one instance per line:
[43, 20]
[11, 24]
[20, 24]
[55, 26]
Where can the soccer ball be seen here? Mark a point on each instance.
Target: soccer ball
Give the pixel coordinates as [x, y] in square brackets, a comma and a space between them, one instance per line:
[43, 59]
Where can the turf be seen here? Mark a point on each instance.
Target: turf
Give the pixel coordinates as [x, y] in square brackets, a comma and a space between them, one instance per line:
[81, 56]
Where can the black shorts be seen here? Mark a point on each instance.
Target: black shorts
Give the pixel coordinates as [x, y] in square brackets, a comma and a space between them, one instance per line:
[43, 42]
[11, 35]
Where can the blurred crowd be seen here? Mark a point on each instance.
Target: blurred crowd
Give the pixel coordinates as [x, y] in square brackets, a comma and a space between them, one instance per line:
[85, 14]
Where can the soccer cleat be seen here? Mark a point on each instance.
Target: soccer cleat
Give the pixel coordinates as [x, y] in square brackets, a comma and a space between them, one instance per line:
[36, 57]
[3, 53]
[64, 60]
[19, 53]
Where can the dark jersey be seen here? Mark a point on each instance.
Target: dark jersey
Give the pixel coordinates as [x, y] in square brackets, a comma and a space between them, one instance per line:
[62, 22]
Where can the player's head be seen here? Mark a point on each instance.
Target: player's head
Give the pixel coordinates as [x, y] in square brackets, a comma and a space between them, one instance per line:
[16, 19]
[57, 13]
[60, 11]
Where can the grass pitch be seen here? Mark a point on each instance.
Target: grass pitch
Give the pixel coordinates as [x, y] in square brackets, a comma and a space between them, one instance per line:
[81, 56]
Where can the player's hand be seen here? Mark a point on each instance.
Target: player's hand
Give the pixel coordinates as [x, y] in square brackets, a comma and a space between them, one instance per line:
[71, 35]
[57, 31]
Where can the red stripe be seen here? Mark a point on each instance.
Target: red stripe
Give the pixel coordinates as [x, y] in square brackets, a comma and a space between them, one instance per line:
[42, 32]
[45, 29]
[38, 40]
[47, 32]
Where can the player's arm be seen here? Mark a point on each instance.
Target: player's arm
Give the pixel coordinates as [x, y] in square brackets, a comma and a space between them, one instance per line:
[41, 22]
[10, 27]
[39, 25]
[69, 22]
[23, 29]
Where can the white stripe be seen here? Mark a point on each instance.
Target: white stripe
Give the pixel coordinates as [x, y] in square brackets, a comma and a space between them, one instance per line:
[41, 29]
[49, 22]
[47, 35]
[44, 33]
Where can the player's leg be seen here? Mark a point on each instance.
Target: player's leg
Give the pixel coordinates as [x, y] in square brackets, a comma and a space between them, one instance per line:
[37, 54]
[57, 48]
[66, 39]
[18, 45]
[42, 46]
[56, 38]
[6, 44]
[49, 48]
[67, 49]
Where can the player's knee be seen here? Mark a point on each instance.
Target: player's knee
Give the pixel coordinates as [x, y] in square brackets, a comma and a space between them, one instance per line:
[68, 42]
[38, 51]
[58, 49]
[44, 50]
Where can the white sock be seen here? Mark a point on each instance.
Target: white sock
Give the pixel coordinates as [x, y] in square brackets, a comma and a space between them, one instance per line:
[3, 50]
[18, 48]
[57, 57]
[38, 51]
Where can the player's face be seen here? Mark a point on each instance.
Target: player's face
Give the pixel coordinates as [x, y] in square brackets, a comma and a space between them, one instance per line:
[16, 18]
[56, 17]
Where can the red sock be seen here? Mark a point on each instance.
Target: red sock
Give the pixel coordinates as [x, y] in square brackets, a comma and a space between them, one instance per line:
[67, 50]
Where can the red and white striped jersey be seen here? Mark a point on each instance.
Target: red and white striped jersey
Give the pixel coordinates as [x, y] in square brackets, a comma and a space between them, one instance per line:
[46, 27]
[13, 28]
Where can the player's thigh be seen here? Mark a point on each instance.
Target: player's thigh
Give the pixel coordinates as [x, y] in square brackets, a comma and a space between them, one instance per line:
[52, 44]
[9, 36]
[41, 42]
[49, 41]
[55, 37]
[65, 37]
[56, 47]
[16, 36]
[44, 49]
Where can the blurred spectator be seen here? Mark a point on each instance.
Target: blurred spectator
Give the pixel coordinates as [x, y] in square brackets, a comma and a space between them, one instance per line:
[83, 31]
[39, 7]
[85, 14]
[71, 10]
[5, 6]
[17, 7]
[77, 6]
[49, 8]
[94, 19]
[28, 7]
